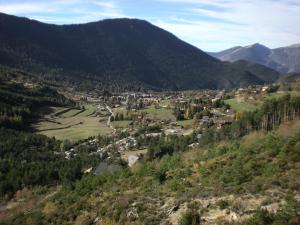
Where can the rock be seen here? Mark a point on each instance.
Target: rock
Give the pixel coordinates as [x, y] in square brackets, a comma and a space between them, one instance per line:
[173, 209]
[233, 216]
[132, 213]
[97, 221]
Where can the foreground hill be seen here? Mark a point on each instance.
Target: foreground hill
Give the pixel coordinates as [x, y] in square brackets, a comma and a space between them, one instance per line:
[118, 52]
[284, 60]
[251, 180]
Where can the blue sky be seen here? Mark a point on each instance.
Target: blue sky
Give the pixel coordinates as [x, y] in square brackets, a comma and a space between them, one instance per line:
[211, 25]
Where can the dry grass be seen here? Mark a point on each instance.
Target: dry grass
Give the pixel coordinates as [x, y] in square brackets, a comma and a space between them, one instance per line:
[288, 129]
[253, 138]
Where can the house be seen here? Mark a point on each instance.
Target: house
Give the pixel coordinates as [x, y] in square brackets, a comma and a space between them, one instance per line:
[88, 170]
[153, 135]
[205, 119]
[265, 88]
[193, 145]
[223, 122]
[217, 113]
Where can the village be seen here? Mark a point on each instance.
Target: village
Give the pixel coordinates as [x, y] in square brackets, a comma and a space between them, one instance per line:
[135, 118]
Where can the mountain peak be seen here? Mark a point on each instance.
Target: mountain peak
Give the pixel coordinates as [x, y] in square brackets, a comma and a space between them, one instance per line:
[256, 45]
[284, 59]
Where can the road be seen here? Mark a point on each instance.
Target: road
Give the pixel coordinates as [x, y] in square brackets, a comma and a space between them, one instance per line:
[109, 118]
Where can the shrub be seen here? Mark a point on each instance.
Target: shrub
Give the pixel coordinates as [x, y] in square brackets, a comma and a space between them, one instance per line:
[223, 204]
[190, 217]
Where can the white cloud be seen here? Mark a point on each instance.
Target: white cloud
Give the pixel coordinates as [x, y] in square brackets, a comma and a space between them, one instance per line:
[106, 4]
[273, 23]
[64, 11]
[17, 8]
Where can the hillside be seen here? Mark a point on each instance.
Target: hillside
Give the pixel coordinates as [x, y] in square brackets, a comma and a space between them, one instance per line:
[284, 60]
[243, 172]
[128, 53]
[248, 180]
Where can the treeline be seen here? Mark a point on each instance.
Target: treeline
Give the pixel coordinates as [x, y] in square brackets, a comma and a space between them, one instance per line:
[18, 104]
[272, 113]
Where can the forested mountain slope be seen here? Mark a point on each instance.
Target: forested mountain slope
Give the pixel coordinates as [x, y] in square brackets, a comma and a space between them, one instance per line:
[116, 52]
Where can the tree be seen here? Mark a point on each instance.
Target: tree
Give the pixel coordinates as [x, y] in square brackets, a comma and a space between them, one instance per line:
[187, 114]
[65, 145]
[191, 217]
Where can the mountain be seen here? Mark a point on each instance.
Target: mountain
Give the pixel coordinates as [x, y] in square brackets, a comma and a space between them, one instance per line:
[284, 60]
[116, 52]
[291, 77]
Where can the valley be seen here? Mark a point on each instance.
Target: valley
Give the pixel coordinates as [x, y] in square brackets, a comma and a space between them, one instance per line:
[214, 156]
[173, 150]
[120, 122]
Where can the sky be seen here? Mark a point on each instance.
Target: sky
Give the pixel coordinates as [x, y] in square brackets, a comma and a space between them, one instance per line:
[211, 25]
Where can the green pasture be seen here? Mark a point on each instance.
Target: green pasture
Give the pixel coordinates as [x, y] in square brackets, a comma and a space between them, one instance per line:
[74, 124]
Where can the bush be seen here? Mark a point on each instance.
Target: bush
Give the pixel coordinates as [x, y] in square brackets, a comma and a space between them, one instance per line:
[190, 217]
[223, 204]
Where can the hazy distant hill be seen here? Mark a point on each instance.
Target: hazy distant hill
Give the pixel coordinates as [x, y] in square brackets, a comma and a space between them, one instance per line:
[120, 52]
[284, 60]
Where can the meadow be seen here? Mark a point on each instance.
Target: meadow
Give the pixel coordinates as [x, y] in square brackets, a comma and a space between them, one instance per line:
[72, 124]
[241, 106]
[250, 105]
[159, 114]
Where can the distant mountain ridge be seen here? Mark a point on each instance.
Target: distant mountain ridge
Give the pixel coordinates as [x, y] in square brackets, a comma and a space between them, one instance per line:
[283, 60]
[117, 52]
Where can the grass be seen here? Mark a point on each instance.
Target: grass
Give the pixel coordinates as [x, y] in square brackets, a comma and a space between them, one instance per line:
[73, 125]
[185, 123]
[89, 110]
[280, 94]
[119, 110]
[286, 129]
[121, 124]
[159, 114]
[89, 127]
[70, 113]
[241, 106]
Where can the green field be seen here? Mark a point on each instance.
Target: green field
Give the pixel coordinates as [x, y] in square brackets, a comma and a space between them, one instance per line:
[121, 124]
[241, 106]
[159, 114]
[74, 124]
[280, 94]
